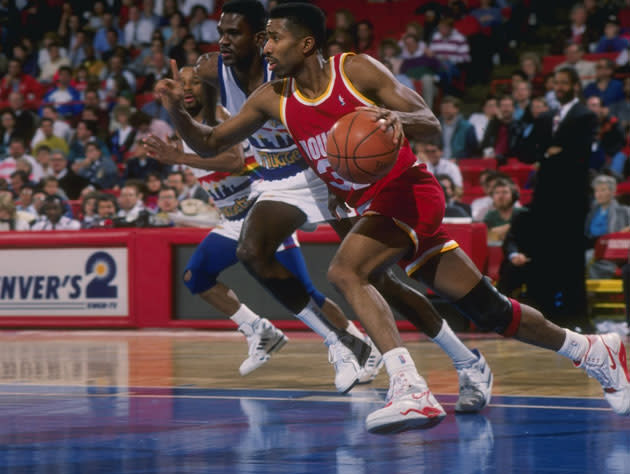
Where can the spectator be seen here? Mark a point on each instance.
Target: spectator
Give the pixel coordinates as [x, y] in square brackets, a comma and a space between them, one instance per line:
[9, 218]
[138, 30]
[18, 180]
[17, 80]
[480, 206]
[621, 109]
[502, 134]
[504, 198]
[450, 192]
[71, 183]
[25, 120]
[153, 184]
[606, 216]
[50, 186]
[436, 164]
[365, 38]
[451, 48]
[86, 133]
[50, 140]
[170, 33]
[61, 128]
[609, 90]
[194, 189]
[96, 167]
[539, 106]
[7, 130]
[91, 100]
[25, 200]
[106, 210]
[54, 219]
[611, 42]
[175, 180]
[17, 150]
[65, 97]
[530, 65]
[518, 251]
[53, 62]
[130, 201]
[480, 121]
[201, 27]
[607, 149]
[107, 37]
[139, 165]
[117, 77]
[43, 158]
[88, 209]
[419, 64]
[147, 124]
[168, 206]
[124, 137]
[522, 95]
[95, 17]
[458, 136]
[585, 69]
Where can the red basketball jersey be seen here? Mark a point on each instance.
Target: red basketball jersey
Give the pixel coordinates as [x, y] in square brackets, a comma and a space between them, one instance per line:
[310, 120]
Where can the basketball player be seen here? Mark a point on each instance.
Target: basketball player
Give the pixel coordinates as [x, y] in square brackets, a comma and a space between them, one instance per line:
[400, 214]
[230, 180]
[293, 194]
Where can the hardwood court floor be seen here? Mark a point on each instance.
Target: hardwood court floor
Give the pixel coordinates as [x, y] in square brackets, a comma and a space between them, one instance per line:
[163, 402]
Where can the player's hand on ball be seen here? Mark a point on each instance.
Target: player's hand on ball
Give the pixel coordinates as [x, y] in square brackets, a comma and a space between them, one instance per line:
[170, 91]
[160, 151]
[387, 118]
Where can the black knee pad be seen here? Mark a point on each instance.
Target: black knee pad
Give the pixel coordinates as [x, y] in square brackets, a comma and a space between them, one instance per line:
[490, 310]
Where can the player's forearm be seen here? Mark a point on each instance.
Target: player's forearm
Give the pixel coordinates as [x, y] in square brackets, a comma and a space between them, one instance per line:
[418, 125]
[197, 135]
[228, 161]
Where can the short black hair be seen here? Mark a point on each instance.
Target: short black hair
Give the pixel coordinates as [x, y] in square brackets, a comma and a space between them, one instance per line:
[305, 17]
[571, 72]
[252, 10]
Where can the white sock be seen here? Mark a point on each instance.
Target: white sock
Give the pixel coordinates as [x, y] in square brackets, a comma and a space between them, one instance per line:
[398, 359]
[352, 329]
[454, 348]
[244, 315]
[575, 346]
[313, 317]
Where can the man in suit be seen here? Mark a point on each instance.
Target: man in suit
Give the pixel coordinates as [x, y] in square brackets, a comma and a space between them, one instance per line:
[561, 142]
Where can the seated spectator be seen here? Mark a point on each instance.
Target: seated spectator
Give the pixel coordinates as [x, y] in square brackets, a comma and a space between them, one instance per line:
[50, 140]
[150, 125]
[480, 121]
[621, 109]
[153, 184]
[130, 201]
[436, 164]
[25, 120]
[97, 168]
[530, 65]
[117, 77]
[17, 150]
[22, 164]
[365, 38]
[450, 192]
[605, 217]
[170, 32]
[154, 109]
[88, 209]
[550, 94]
[518, 251]
[92, 100]
[24, 201]
[43, 158]
[50, 186]
[167, 206]
[451, 48]
[71, 183]
[607, 151]
[539, 106]
[53, 218]
[106, 210]
[56, 58]
[611, 42]
[204, 29]
[504, 198]
[107, 37]
[480, 206]
[139, 165]
[65, 97]
[503, 132]
[124, 137]
[61, 128]
[458, 136]
[138, 30]
[85, 133]
[157, 68]
[522, 99]
[585, 69]
[609, 90]
[195, 191]
[175, 180]
[18, 180]
[9, 217]
[7, 129]
[17, 80]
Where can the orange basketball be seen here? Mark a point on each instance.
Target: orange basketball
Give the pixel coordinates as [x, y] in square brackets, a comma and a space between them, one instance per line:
[358, 150]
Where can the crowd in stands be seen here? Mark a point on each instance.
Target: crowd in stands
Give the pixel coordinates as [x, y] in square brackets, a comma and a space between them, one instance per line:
[76, 101]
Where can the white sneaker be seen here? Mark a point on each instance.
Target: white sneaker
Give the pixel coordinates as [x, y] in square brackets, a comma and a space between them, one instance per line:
[346, 366]
[410, 405]
[372, 365]
[605, 361]
[475, 385]
[263, 339]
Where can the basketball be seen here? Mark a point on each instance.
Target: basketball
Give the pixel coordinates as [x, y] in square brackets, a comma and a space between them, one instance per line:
[358, 150]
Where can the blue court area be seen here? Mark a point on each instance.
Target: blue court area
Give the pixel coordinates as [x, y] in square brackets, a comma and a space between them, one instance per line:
[58, 429]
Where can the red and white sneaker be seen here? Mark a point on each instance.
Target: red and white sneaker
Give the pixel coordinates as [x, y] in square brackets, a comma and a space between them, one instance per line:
[605, 361]
[410, 405]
